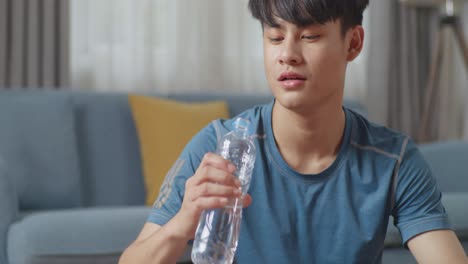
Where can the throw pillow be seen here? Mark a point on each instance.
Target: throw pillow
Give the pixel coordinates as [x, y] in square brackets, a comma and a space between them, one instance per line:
[38, 146]
[164, 127]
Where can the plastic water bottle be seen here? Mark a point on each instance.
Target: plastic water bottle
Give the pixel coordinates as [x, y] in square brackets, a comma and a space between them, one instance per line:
[218, 229]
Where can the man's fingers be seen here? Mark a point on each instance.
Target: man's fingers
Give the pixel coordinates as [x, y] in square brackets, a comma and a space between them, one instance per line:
[213, 174]
[213, 160]
[214, 189]
[204, 203]
[212, 202]
[246, 200]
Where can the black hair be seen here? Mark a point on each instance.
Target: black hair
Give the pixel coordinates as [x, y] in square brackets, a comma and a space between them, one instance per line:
[307, 12]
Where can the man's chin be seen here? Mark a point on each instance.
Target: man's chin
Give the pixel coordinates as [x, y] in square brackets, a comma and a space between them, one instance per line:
[293, 103]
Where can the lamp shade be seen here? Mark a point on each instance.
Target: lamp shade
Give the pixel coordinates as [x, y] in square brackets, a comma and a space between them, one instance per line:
[431, 3]
[423, 3]
[450, 7]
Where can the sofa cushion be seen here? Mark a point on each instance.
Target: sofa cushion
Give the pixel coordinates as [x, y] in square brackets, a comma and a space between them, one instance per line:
[38, 145]
[393, 237]
[448, 161]
[456, 205]
[164, 128]
[108, 150]
[81, 233]
[237, 103]
[397, 256]
[8, 208]
[76, 259]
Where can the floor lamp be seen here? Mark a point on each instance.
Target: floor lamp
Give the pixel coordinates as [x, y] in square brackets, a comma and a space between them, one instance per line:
[451, 22]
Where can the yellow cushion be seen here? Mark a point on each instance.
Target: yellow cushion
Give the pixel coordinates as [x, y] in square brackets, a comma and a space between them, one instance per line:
[164, 128]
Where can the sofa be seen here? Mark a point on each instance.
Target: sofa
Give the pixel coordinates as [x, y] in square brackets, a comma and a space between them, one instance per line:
[71, 185]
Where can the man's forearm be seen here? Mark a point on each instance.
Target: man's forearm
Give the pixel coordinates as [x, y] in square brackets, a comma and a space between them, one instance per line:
[163, 246]
[440, 246]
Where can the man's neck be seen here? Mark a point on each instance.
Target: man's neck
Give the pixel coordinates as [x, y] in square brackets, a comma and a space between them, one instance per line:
[309, 142]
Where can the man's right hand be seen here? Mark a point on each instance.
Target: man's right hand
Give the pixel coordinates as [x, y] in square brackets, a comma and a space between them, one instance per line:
[210, 187]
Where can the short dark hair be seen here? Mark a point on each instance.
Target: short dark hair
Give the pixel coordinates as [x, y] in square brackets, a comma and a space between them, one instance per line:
[306, 12]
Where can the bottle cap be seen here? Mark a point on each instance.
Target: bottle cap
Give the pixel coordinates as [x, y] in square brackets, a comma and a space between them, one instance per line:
[242, 124]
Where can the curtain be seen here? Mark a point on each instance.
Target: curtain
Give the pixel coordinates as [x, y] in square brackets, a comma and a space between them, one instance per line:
[172, 47]
[401, 43]
[34, 43]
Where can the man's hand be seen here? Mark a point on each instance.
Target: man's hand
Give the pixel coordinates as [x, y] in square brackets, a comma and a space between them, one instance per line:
[212, 185]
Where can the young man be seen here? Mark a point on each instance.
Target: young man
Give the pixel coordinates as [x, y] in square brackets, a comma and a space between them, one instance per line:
[326, 180]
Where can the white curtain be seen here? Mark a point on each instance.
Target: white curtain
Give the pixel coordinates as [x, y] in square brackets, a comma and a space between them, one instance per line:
[172, 46]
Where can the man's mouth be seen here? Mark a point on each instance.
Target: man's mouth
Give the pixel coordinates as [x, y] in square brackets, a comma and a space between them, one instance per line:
[286, 76]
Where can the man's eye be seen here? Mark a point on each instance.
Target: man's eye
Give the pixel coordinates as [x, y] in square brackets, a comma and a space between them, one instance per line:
[311, 37]
[275, 39]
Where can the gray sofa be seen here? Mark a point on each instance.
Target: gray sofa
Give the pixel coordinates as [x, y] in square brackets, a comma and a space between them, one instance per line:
[71, 186]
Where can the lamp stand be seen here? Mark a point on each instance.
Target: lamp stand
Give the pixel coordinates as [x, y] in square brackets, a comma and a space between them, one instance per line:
[451, 22]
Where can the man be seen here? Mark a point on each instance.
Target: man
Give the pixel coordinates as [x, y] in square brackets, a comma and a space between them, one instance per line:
[326, 180]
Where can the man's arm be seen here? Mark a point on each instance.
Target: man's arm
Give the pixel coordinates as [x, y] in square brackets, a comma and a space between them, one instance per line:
[439, 246]
[419, 213]
[156, 244]
[212, 185]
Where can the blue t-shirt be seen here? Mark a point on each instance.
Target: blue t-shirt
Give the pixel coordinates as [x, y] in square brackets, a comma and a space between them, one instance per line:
[337, 216]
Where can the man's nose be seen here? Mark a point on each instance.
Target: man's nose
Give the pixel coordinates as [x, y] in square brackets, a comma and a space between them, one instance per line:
[290, 53]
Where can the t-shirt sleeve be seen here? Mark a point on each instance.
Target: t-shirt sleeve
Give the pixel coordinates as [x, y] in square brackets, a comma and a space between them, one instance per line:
[171, 193]
[418, 207]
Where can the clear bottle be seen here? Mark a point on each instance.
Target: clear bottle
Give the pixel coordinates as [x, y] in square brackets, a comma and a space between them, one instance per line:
[218, 229]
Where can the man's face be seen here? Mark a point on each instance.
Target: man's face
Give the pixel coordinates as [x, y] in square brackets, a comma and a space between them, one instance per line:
[305, 66]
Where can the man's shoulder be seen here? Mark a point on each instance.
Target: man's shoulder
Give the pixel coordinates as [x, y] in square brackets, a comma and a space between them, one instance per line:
[367, 135]
[387, 143]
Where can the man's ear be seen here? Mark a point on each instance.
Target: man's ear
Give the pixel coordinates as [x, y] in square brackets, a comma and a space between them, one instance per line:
[356, 42]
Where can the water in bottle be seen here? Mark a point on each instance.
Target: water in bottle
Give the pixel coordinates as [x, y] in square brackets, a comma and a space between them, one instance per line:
[218, 229]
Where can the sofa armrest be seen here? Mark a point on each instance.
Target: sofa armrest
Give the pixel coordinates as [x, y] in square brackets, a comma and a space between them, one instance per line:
[8, 208]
